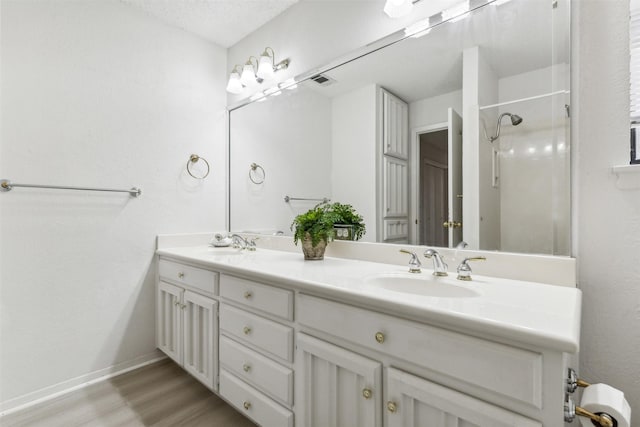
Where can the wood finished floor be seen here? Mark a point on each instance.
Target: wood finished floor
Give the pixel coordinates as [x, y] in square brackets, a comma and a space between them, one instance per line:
[159, 395]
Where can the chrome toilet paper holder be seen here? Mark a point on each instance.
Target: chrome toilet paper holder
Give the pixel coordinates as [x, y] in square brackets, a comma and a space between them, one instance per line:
[571, 410]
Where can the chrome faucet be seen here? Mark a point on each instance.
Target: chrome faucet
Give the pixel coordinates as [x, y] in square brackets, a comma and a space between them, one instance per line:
[439, 266]
[239, 242]
[414, 262]
[251, 246]
[464, 270]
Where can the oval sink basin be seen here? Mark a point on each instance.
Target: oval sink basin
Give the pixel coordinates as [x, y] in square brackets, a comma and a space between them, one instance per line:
[425, 285]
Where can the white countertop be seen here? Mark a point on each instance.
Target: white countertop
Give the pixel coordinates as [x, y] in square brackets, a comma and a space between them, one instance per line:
[527, 312]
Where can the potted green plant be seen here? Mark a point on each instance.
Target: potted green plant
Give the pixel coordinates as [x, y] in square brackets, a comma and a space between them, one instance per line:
[316, 227]
[349, 224]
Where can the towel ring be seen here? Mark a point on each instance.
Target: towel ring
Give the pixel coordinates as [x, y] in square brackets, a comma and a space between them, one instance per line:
[254, 167]
[194, 159]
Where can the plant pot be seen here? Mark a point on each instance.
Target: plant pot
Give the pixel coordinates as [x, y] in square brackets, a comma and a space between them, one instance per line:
[313, 253]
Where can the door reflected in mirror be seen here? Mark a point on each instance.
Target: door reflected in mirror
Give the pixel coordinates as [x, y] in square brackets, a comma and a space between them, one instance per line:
[462, 134]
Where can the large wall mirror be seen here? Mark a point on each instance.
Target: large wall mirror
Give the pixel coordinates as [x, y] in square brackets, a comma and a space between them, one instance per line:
[453, 130]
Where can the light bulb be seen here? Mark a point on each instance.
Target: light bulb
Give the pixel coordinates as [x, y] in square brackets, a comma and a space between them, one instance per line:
[265, 68]
[248, 77]
[234, 85]
[398, 8]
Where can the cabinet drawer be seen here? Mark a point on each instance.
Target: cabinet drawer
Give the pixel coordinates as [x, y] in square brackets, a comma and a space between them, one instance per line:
[270, 336]
[252, 403]
[269, 299]
[267, 375]
[510, 371]
[197, 278]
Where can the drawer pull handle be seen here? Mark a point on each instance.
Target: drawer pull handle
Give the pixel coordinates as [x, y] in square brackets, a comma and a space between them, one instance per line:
[181, 275]
[380, 337]
[367, 393]
[246, 330]
[248, 295]
[246, 367]
[392, 407]
[246, 405]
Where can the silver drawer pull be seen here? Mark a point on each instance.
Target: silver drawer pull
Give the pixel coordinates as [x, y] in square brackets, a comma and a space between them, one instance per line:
[246, 367]
[367, 393]
[248, 294]
[246, 405]
[246, 330]
[379, 337]
[392, 407]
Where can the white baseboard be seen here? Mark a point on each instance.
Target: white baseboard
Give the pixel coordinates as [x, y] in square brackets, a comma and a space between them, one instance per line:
[22, 402]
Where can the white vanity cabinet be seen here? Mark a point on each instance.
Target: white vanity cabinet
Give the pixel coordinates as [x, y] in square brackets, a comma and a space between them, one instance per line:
[485, 371]
[256, 350]
[186, 324]
[294, 354]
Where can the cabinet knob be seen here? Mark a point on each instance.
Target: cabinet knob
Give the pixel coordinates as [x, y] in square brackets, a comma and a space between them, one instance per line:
[248, 294]
[367, 393]
[181, 275]
[392, 407]
[176, 303]
[246, 405]
[380, 337]
[246, 330]
[246, 367]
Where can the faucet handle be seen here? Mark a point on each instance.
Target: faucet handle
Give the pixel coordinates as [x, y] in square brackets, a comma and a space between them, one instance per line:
[464, 270]
[251, 246]
[414, 262]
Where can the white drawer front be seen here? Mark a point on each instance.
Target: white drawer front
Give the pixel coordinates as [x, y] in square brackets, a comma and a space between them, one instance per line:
[204, 280]
[267, 375]
[510, 371]
[269, 299]
[252, 403]
[270, 336]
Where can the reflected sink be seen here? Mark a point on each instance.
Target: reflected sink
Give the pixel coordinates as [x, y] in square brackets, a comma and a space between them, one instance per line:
[423, 284]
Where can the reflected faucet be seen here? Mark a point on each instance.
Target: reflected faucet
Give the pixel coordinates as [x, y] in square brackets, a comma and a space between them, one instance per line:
[239, 242]
[439, 266]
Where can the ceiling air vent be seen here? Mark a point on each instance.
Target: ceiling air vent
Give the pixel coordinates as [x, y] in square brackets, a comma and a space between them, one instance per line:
[323, 79]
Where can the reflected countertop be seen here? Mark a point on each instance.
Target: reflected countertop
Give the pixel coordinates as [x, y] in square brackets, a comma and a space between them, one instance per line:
[530, 313]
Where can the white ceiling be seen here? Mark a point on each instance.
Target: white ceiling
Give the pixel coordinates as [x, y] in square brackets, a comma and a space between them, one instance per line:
[224, 22]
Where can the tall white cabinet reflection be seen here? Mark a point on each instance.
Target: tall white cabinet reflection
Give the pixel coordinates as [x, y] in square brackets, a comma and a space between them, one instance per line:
[394, 215]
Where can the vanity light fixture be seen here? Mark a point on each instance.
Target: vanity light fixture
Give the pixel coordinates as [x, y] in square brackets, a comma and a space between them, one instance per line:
[255, 71]
[235, 85]
[289, 84]
[398, 8]
[456, 13]
[248, 76]
[419, 29]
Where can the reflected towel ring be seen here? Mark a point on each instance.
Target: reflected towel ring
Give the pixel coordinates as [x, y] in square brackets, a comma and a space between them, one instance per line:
[194, 159]
[254, 167]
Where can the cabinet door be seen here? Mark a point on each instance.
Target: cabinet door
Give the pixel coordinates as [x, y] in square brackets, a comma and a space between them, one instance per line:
[200, 356]
[396, 200]
[412, 402]
[395, 126]
[169, 321]
[336, 387]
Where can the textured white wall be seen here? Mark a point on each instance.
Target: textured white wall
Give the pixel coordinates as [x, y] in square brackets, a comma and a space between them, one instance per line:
[290, 137]
[353, 130]
[606, 217]
[96, 94]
